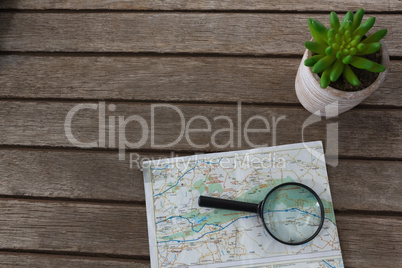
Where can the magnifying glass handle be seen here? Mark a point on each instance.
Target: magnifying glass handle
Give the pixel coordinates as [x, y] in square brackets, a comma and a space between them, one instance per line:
[212, 202]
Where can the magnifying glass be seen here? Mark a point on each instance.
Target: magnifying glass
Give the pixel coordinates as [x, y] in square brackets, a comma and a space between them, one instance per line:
[292, 213]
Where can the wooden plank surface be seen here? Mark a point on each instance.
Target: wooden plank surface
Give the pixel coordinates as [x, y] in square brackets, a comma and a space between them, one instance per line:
[361, 185]
[361, 242]
[93, 175]
[227, 33]
[119, 229]
[69, 174]
[288, 5]
[30, 260]
[362, 133]
[184, 79]
[74, 227]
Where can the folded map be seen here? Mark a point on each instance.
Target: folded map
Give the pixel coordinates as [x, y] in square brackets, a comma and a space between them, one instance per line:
[182, 234]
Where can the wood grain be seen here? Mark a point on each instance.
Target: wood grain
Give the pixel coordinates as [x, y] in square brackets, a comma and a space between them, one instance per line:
[361, 244]
[365, 240]
[184, 79]
[366, 185]
[362, 133]
[71, 227]
[69, 174]
[29, 260]
[227, 33]
[94, 175]
[289, 5]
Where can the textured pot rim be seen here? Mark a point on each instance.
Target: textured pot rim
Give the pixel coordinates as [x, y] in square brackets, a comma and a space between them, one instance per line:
[359, 93]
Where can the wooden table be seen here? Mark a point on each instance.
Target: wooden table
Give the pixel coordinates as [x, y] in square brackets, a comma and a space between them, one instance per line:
[64, 206]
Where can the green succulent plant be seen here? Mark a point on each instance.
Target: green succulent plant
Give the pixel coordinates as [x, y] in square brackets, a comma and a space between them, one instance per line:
[342, 45]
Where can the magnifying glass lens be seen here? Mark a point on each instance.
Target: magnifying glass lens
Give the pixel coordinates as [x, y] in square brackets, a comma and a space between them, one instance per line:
[292, 214]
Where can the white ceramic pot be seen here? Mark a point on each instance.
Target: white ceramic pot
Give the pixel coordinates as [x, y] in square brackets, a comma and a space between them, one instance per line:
[330, 101]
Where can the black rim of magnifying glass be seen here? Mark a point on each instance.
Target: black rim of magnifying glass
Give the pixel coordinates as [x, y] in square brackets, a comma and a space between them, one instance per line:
[262, 204]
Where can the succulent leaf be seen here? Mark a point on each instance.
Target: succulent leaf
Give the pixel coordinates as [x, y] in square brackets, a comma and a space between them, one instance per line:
[329, 51]
[377, 68]
[348, 17]
[323, 64]
[354, 42]
[361, 47]
[347, 34]
[315, 47]
[375, 37]
[358, 18]
[361, 63]
[336, 70]
[339, 55]
[347, 59]
[350, 76]
[325, 80]
[331, 33]
[312, 60]
[341, 29]
[314, 33]
[348, 27]
[365, 27]
[335, 46]
[370, 48]
[320, 29]
[334, 21]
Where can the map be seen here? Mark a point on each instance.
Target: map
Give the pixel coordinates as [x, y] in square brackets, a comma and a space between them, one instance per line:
[182, 234]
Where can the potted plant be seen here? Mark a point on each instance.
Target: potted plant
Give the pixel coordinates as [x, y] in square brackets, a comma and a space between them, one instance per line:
[342, 65]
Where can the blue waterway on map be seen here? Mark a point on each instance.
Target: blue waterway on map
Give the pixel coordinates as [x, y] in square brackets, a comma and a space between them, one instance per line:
[161, 168]
[192, 224]
[222, 228]
[329, 265]
[178, 180]
[199, 220]
[192, 240]
[302, 211]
